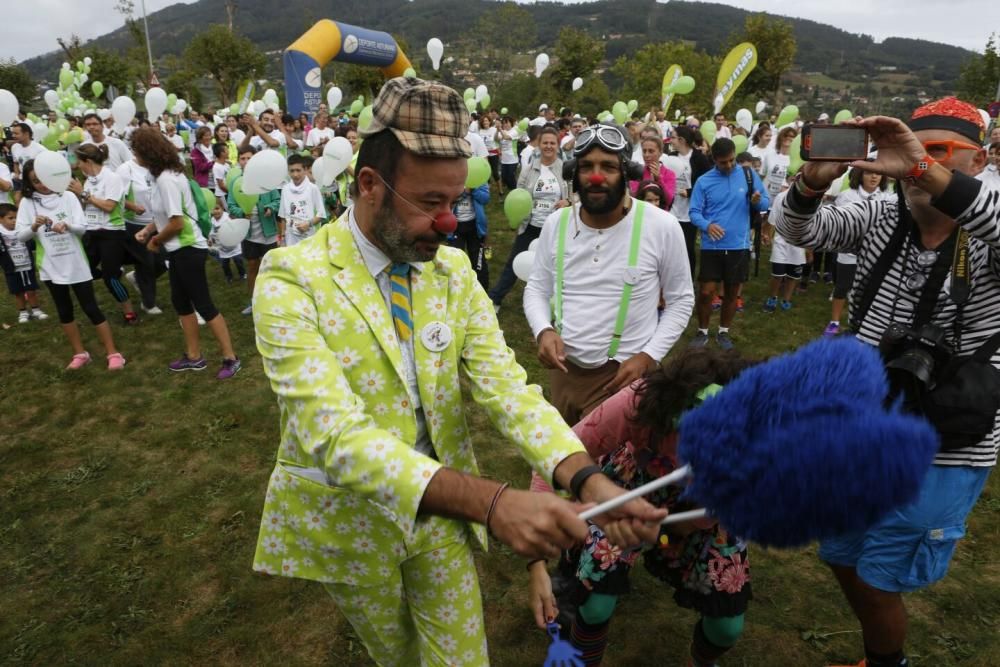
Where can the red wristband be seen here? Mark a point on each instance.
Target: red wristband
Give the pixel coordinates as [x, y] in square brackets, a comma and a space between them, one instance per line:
[920, 168]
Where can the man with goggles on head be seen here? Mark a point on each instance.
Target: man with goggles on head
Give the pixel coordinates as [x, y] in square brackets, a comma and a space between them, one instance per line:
[927, 291]
[601, 267]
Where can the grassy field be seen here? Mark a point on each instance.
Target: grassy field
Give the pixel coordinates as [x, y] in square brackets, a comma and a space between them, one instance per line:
[129, 506]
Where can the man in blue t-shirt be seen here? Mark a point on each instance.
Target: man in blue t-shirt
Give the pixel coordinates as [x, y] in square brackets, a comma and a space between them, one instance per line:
[721, 203]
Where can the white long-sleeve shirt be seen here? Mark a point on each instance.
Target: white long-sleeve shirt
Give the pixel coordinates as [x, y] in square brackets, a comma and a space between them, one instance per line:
[594, 270]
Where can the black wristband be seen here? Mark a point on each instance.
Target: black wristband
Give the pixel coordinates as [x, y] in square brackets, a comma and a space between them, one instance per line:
[581, 476]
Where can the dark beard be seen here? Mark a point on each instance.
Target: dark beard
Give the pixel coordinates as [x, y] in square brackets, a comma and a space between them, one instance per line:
[392, 239]
[611, 201]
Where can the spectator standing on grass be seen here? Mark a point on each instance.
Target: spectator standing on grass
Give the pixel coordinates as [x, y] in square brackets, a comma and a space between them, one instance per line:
[301, 211]
[693, 165]
[721, 204]
[202, 157]
[175, 230]
[220, 168]
[470, 235]
[138, 213]
[787, 261]
[225, 254]
[118, 152]
[17, 259]
[508, 157]
[56, 222]
[24, 147]
[263, 234]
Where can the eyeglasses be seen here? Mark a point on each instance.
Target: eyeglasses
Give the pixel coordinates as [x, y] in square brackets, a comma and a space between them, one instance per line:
[607, 136]
[925, 260]
[942, 150]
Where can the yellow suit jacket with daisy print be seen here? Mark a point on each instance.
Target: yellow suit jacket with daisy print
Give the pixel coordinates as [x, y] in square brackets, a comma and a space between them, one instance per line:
[342, 501]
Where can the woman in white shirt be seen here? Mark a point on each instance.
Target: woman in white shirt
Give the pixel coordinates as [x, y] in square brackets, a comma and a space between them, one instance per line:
[175, 229]
[105, 240]
[864, 186]
[508, 156]
[138, 214]
[56, 223]
[761, 144]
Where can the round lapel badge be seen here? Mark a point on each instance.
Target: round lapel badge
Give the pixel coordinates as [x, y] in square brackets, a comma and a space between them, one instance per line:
[631, 275]
[436, 336]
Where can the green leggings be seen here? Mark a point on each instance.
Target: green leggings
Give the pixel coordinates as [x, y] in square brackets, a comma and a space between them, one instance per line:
[722, 631]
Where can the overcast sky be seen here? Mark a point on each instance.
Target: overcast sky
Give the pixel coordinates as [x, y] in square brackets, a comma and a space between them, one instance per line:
[30, 27]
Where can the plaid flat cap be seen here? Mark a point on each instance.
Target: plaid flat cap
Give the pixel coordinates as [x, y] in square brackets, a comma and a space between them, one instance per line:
[427, 117]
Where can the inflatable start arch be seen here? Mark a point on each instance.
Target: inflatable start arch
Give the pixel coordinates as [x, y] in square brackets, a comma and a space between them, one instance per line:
[332, 40]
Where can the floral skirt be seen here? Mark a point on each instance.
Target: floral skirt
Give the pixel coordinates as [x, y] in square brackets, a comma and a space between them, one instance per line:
[708, 568]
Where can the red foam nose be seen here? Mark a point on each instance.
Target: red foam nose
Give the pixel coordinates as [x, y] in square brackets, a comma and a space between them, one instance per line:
[445, 223]
[597, 179]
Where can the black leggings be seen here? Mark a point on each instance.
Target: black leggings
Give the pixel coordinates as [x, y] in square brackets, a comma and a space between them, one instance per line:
[148, 266]
[690, 236]
[108, 249]
[508, 174]
[467, 238]
[188, 283]
[84, 294]
[494, 161]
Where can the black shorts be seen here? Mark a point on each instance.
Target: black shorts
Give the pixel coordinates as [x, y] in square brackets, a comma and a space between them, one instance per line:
[731, 267]
[254, 250]
[20, 282]
[845, 280]
[793, 271]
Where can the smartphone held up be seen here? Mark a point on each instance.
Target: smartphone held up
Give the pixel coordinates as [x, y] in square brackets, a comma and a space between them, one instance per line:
[834, 143]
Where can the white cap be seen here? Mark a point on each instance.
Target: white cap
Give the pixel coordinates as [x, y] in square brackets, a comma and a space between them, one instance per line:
[824, 116]
[543, 107]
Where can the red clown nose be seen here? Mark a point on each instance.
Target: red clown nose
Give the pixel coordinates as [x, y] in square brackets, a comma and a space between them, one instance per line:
[445, 223]
[597, 180]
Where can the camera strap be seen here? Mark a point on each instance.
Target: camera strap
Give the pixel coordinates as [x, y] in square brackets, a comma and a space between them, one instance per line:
[931, 290]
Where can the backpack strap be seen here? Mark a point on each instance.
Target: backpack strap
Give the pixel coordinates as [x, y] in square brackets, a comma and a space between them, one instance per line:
[557, 306]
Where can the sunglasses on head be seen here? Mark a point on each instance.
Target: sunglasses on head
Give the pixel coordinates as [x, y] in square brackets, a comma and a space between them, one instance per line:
[607, 136]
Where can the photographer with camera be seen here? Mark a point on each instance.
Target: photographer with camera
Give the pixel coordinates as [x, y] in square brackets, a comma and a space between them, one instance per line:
[927, 292]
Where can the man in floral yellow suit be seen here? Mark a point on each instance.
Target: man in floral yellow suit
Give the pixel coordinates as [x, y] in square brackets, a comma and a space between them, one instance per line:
[365, 331]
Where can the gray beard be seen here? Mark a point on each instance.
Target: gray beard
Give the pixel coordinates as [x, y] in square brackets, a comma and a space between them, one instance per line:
[392, 239]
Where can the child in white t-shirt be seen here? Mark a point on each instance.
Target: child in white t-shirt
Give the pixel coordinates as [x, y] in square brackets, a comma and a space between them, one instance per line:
[18, 262]
[224, 253]
[301, 210]
[220, 168]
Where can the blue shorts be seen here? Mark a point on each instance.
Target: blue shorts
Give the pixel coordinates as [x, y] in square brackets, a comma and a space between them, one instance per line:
[912, 547]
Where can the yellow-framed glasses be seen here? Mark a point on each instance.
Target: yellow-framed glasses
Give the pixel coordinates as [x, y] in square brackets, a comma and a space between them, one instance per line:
[942, 150]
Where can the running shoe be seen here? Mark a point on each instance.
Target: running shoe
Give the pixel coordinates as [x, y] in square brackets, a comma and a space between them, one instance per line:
[39, 314]
[131, 319]
[724, 341]
[700, 340]
[116, 362]
[832, 329]
[185, 364]
[248, 310]
[786, 305]
[771, 304]
[79, 361]
[23, 316]
[155, 310]
[230, 367]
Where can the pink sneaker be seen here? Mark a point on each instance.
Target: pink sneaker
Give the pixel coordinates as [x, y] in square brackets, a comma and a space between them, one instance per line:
[79, 361]
[116, 362]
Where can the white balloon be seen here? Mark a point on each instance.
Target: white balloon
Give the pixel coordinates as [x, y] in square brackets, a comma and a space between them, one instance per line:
[103, 114]
[41, 131]
[8, 107]
[718, 103]
[264, 172]
[156, 102]
[88, 61]
[232, 231]
[541, 63]
[677, 114]
[435, 49]
[65, 66]
[481, 92]
[577, 83]
[760, 106]
[51, 99]
[53, 171]
[523, 263]
[269, 95]
[333, 98]
[258, 107]
[744, 119]
[180, 106]
[338, 153]
[532, 245]
[123, 110]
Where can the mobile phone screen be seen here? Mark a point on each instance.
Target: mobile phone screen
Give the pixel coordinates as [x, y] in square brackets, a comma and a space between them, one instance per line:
[838, 143]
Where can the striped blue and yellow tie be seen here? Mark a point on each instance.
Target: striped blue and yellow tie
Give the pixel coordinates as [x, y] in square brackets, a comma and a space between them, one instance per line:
[399, 280]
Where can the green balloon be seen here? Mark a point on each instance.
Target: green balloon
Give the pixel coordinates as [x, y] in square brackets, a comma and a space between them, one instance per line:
[365, 118]
[682, 86]
[620, 112]
[74, 137]
[741, 143]
[485, 102]
[409, 73]
[79, 66]
[233, 174]
[470, 104]
[209, 197]
[842, 115]
[51, 141]
[787, 116]
[245, 201]
[356, 107]
[479, 172]
[469, 94]
[171, 101]
[65, 78]
[234, 108]
[62, 125]
[186, 136]
[97, 88]
[503, 111]
[708, 130]
[795, 155]
[517, 207]
[523, 124]
[633, 105]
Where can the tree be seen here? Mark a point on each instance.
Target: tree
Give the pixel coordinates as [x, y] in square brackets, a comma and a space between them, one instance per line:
[15, 78]
[182, 82]
[980, 77]
[112, 70]
[226, 58]
[776, 48]
[641, 75]
[498, 35]
[576, 54]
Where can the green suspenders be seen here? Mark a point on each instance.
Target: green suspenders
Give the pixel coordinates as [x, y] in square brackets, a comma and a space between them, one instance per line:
[633, 260]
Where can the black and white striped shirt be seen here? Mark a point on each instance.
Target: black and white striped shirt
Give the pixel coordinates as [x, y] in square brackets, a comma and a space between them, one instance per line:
[864, 228]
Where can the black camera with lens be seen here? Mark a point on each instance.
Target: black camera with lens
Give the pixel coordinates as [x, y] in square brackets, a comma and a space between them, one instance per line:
[914, 357]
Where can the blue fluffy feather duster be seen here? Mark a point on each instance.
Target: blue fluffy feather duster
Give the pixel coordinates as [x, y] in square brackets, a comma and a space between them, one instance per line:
[802, 447]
